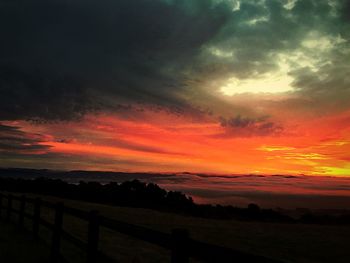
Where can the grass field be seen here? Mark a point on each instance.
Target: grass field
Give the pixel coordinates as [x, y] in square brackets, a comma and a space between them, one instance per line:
[288, 242]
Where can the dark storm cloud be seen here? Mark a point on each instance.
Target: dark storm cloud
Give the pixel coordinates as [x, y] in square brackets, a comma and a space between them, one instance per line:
[259, 30]
[57, 57]
[245, 127]
[34, 95]
[15, 141]
[346, 10]
[310, 37]
[240, 122]
[61, 59]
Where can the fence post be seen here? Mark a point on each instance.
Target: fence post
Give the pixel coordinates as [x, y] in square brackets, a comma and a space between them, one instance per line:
[22, 211]
[36, 216]
[1, 198]
[179, 252]
[57, 231]
[9, 207]
[93, 237]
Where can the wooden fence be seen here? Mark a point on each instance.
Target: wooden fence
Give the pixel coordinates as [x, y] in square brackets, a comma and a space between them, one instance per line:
[181, 246]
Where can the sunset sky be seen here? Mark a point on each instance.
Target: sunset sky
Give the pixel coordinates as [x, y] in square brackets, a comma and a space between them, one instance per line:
[209, 86]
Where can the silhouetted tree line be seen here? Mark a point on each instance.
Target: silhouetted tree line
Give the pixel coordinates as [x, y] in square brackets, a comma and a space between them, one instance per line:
[149, 195]
[130, 193]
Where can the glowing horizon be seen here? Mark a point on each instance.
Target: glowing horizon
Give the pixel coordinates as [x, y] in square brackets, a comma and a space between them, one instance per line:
[172, 144]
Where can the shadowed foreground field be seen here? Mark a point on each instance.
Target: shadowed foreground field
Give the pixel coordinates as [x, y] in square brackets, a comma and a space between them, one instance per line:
[287, 242]
[18, 247]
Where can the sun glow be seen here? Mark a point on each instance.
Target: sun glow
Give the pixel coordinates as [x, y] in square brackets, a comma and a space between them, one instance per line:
[265, 84]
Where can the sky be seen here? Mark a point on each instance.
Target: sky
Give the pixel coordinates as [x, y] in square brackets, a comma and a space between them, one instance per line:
[204, 86]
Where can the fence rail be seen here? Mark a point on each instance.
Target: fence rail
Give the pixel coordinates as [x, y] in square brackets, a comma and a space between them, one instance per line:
[181, 246]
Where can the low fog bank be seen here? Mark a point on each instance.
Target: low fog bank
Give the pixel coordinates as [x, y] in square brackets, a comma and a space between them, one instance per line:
[268, 191]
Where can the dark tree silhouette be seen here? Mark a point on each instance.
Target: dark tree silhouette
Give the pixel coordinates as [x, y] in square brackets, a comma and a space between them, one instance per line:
[136, 193]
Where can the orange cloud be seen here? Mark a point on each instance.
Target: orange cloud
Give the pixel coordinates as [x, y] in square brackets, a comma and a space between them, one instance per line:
[176, 143]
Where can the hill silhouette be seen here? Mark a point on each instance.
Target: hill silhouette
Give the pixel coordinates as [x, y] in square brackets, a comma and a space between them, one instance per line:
[135, 193]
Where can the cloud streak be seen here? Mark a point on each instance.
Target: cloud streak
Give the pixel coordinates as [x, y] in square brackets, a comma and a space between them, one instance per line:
[12, 139]
[245, 127]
